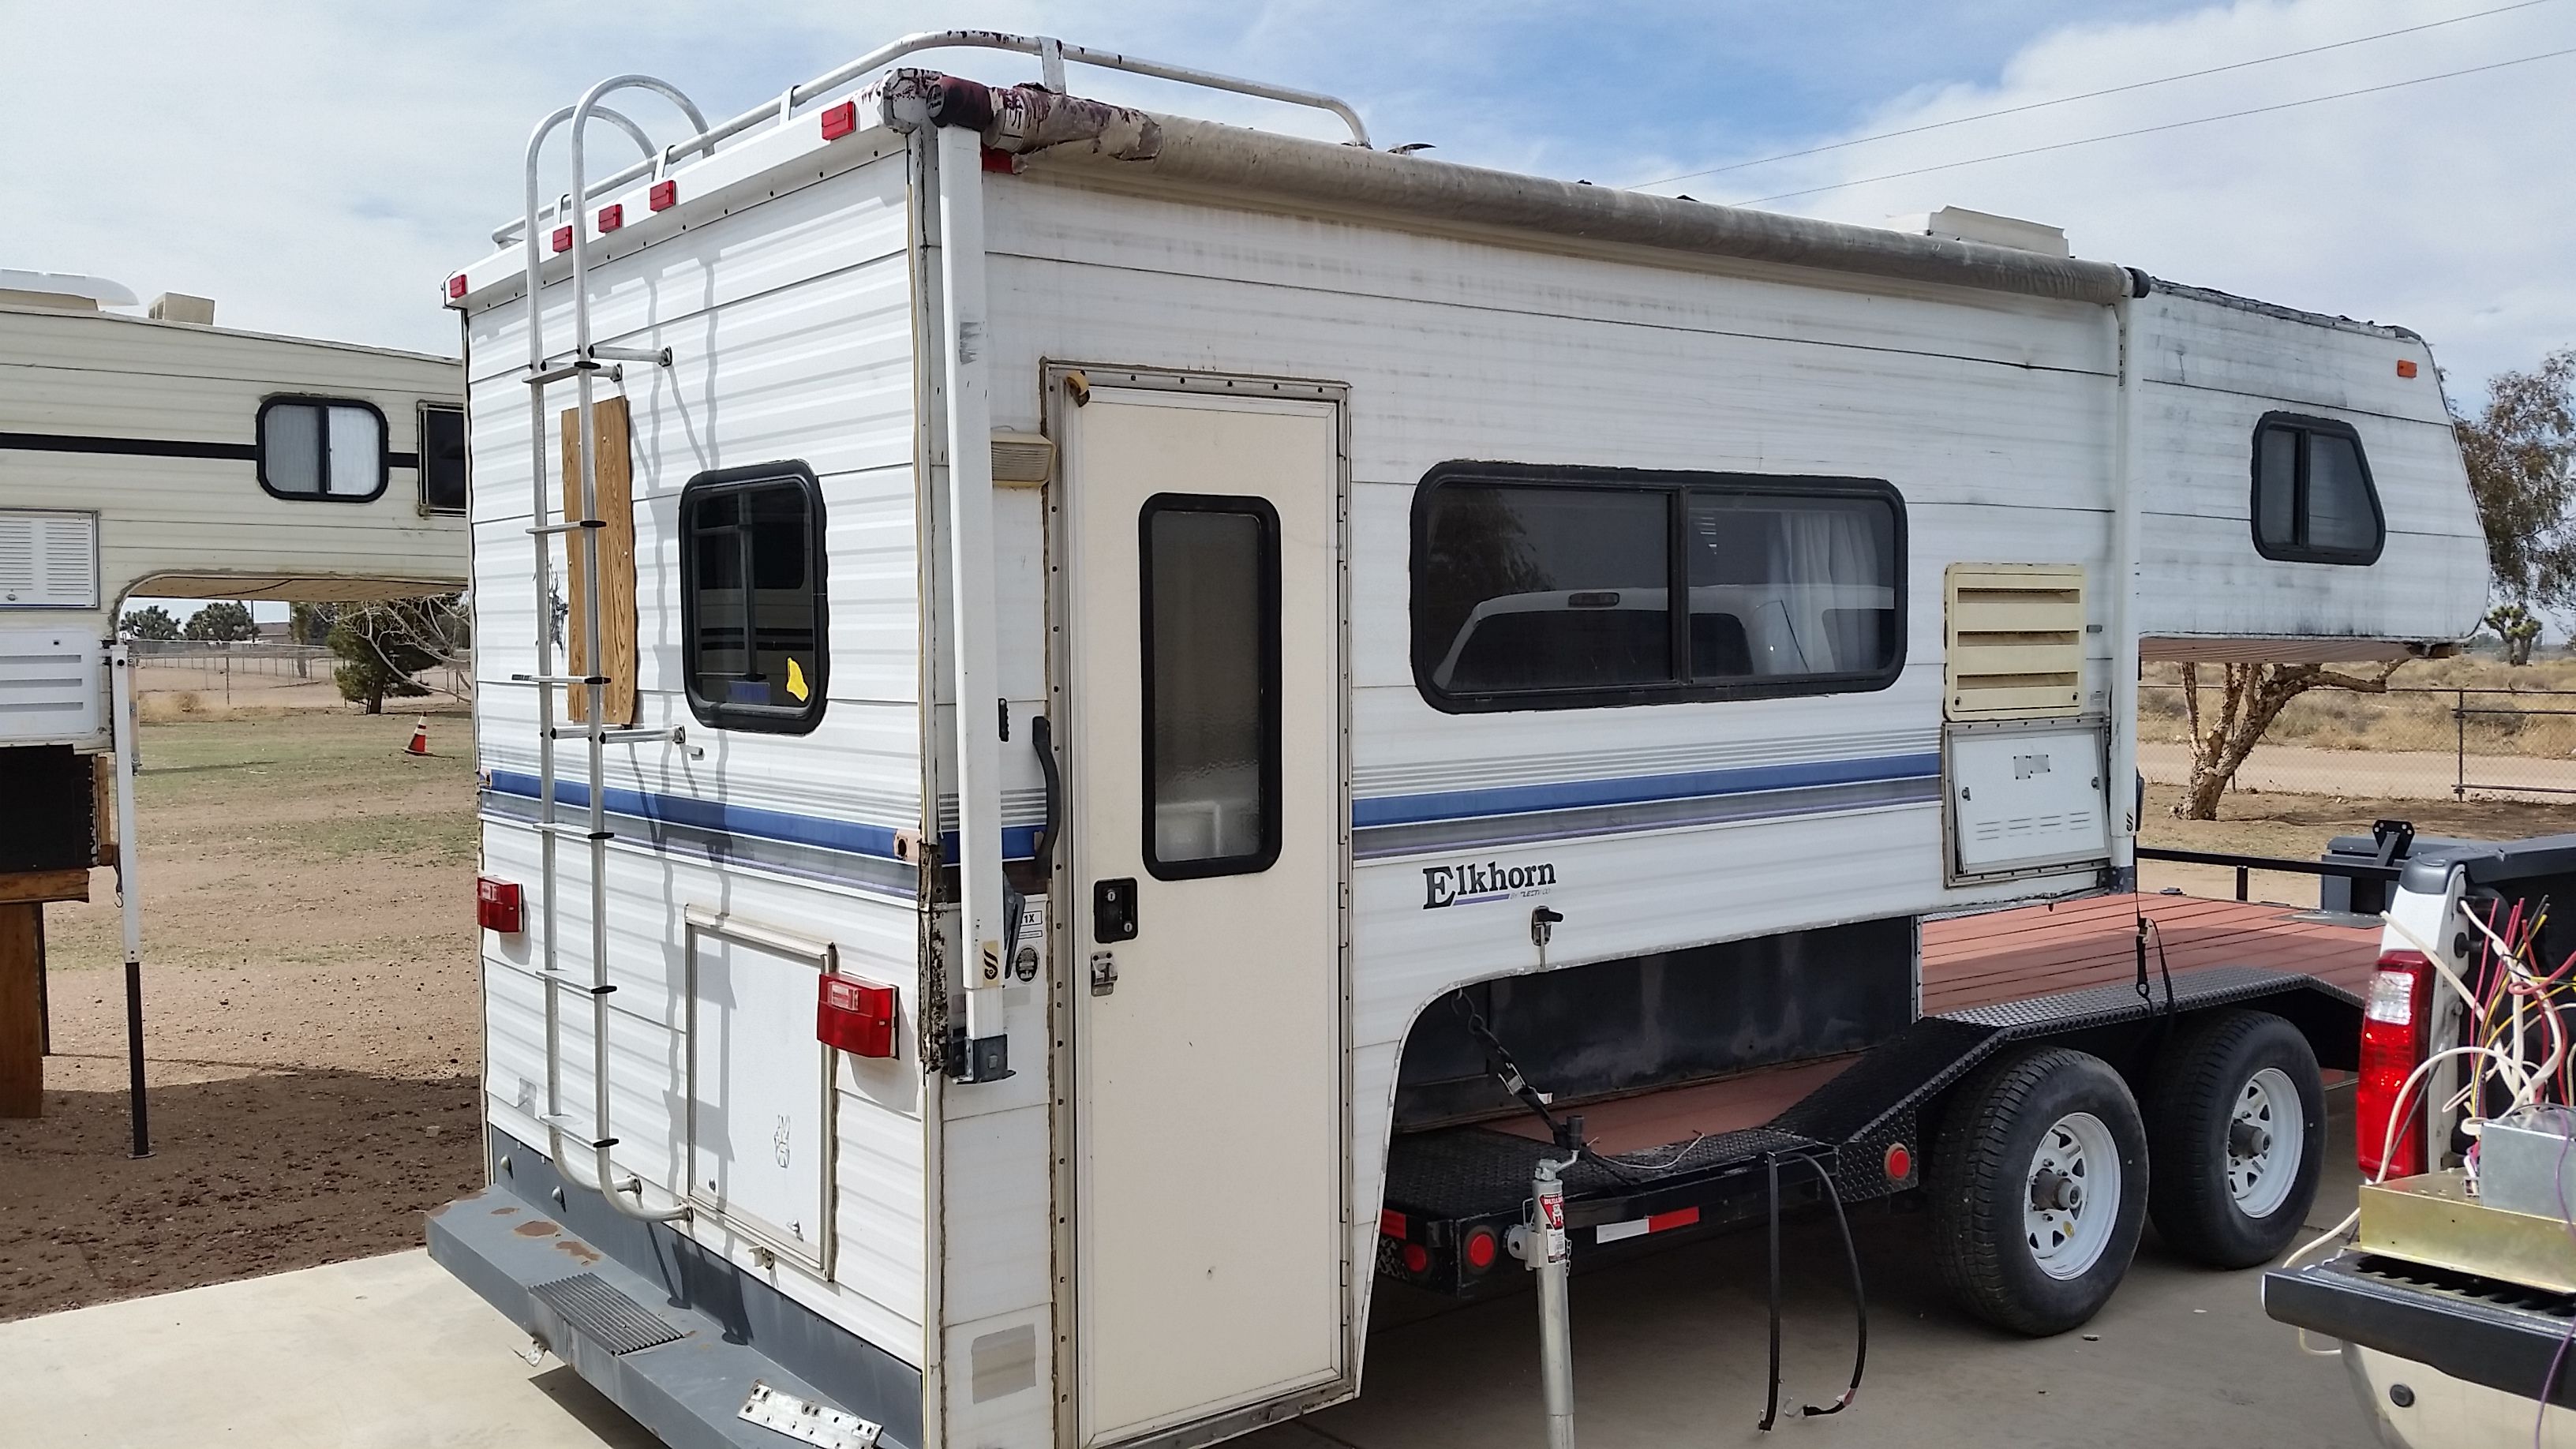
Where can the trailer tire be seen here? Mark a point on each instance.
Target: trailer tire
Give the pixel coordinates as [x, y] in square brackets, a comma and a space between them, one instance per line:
[2020, 1263]
[2221, 1194]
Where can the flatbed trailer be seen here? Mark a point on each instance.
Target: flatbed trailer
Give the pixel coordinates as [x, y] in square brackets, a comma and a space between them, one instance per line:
[1734, 1149]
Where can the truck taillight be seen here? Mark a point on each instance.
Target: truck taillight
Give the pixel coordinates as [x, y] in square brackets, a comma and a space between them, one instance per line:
[855, 1016]
[496, 905]
[2396, 1033]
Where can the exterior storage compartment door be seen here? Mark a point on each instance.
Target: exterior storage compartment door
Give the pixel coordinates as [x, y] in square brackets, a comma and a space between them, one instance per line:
[2025, 798]
[760, 1100]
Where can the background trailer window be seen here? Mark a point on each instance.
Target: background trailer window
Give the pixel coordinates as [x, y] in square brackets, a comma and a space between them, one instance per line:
[321, 448]
[1538, 588]
[753, 612]
[2313, 498]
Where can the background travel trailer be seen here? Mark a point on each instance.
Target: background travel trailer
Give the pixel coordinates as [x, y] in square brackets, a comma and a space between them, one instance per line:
[1144, 633]
[165, 457]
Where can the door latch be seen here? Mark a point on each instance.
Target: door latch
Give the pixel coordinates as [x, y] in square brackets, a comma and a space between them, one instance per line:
[1104, 973]
[1113, 910]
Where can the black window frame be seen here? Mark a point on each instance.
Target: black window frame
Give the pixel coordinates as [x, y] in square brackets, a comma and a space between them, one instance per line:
[2305, 426]
[426, 464]
[1259, 509]
[322, 462]
[727, 714]
[1678, 486]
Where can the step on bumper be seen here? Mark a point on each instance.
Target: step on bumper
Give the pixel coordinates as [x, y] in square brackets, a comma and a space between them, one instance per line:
[671, 1333]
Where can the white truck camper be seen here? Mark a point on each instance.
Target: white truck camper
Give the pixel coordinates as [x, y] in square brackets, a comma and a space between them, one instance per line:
[164, 457]
[1164, 692]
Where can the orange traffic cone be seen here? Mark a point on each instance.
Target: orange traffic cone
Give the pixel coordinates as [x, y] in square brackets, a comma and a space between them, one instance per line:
[419, 738]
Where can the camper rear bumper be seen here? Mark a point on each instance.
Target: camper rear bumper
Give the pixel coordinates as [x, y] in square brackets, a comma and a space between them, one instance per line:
[670, 1332]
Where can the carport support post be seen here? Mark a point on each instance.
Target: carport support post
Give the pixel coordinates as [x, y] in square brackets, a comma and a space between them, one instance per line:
[1547, 1253]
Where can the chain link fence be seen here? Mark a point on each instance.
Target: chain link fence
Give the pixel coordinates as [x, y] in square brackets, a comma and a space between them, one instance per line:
[2413, 743]
[191, 676]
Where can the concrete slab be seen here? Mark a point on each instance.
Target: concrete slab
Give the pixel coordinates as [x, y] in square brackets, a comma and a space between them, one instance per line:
[378, 1353]
[391, 1353]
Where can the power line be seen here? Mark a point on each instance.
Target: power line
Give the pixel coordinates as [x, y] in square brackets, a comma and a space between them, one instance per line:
[2151, 130]
[2085, 96]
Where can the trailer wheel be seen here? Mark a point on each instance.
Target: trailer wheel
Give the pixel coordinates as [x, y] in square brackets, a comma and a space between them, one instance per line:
[2236, 1127]
[2038, 1184]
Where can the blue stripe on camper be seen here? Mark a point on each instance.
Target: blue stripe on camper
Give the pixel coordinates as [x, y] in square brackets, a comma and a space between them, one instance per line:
[1019, 842]
[1637, 790]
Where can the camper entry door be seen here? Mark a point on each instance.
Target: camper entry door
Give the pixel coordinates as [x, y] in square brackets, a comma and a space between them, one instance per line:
[1203, 784]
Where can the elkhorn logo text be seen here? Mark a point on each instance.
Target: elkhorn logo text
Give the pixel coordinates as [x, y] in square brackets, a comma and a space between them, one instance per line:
[1470, 883]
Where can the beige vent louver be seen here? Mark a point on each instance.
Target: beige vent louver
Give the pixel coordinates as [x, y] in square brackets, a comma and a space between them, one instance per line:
[1022, 458]
[2016, 641]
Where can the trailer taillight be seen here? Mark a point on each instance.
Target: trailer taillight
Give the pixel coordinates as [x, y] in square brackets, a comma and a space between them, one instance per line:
[2396, 1033]
[855, 1016]
[1482, 1247]
[496, 905]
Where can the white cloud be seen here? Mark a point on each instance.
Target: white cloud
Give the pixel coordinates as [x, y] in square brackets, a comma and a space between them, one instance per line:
[2443, 207]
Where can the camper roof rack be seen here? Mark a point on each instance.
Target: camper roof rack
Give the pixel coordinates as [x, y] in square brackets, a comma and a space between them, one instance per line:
[1052, 56]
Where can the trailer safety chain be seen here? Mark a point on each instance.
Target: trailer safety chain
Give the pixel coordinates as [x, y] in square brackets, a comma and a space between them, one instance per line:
[1860, 1299]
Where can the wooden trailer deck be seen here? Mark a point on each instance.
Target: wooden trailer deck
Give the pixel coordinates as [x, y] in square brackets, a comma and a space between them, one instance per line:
[1979, 960]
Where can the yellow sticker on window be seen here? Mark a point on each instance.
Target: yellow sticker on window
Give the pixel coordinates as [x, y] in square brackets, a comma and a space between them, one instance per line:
[796, 681]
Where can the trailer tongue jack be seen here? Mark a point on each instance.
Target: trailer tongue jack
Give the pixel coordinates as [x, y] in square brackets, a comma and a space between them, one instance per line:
[1541, 1245]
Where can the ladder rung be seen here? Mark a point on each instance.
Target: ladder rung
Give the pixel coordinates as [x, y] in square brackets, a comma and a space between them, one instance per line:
[575, 526]
[558, 978]
[658, 356]
[559, 678]
[614, 736]
[564, 1123]
[560, 371]
[557, 827]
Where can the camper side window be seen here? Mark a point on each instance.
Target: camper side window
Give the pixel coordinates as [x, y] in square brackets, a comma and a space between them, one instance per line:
[442, 459]
[2313, 498]
[1208, 595]
[321, 448]
[753, 610]
[1554, 588]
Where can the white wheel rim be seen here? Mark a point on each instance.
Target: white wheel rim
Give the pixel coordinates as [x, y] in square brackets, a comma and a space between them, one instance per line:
[2266, 1138]
[2072, 1197]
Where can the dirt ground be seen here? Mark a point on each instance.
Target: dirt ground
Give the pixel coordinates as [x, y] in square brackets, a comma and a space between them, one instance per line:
[2298, 826]
[312, 1021]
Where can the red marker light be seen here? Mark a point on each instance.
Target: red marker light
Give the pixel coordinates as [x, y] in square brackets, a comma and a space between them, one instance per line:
[1480, 1249]
[1899, 1162]
[563, 238]
[855, 1016]
[611, 218]
[663, 196]
[840, 120]
[496, 905]
[1417, 1259]
[456, 286]
[2405, 367]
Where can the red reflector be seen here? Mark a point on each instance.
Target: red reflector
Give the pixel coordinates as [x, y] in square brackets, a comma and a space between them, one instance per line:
[663, 196]
[1417, 1259]
[456, 286]
[1899, 1162]
[855, 1016]
[496, 905]
[1002, 162]
[2396, 1022]
[2405, 367]
[1481, 1249]
[612, 217]
[563, 238]
[840, 120]
[1390, 1222]
[1677, 1218]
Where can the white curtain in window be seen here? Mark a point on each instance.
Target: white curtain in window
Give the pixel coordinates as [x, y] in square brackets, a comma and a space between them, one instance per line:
[1825, 559]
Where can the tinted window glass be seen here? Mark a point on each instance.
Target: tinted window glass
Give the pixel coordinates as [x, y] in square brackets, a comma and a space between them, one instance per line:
[1210, 591]
[1536, 594]
[1784, 586]
[321, 448]
[442, 460]
[2313, 499]
[1532, 587]
[750, 549]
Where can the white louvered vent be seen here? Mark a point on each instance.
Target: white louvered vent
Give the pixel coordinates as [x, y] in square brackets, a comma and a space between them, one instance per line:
[2016, 641]
[48, 560]
[50, 684]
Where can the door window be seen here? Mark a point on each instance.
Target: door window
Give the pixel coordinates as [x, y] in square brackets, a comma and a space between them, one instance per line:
[1209, 597]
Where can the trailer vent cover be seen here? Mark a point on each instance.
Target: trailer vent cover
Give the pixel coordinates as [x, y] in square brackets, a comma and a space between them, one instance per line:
[600, 1313]
[1022, 458]
[2016, 641]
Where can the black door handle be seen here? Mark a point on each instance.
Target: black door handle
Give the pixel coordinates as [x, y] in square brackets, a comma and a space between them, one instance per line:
[1113, 910]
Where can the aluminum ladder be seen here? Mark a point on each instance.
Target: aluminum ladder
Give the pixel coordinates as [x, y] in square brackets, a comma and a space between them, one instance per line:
[581, 366]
